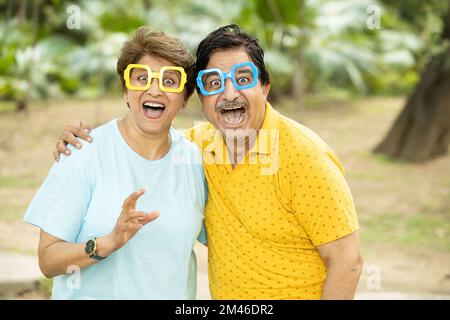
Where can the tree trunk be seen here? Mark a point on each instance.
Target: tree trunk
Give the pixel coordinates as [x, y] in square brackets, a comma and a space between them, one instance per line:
[147, 4]
[298, 80]
[422, 130]
[21, 106]
[9, 10]
[22, 11]
[35, 17]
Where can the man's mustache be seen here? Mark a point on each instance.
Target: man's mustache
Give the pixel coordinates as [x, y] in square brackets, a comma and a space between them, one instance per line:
[232, 104]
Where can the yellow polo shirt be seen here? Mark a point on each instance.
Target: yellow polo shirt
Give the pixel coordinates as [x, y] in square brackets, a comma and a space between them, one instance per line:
[265, 218]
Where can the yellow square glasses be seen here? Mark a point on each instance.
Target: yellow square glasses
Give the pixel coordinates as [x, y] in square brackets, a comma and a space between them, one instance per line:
[139, 77]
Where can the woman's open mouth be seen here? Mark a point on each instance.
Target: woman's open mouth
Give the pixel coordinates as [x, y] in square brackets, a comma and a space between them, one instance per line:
[153, 110]
[233, 116]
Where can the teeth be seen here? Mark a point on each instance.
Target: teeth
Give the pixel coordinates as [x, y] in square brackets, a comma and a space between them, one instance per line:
[233, 117]
[154, 105]
[232, 108]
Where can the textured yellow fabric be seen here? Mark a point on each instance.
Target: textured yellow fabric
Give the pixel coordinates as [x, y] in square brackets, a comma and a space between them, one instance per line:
[265, 217]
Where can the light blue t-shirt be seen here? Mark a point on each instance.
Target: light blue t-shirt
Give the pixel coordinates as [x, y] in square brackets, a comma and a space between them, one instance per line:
[82, 198]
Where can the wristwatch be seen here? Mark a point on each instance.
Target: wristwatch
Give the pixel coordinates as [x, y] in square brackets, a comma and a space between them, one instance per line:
[91, 249]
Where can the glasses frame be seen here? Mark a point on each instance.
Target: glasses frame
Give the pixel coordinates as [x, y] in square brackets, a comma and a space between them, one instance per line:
[229, 75]
[126, 76]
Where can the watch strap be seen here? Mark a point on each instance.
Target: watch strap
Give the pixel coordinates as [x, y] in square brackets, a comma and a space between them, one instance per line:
[94, 255]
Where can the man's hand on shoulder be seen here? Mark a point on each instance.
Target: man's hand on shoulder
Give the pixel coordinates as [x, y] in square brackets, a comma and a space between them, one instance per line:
[77, 129]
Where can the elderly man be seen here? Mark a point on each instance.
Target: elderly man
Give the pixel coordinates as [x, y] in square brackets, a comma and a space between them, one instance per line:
[280, 218]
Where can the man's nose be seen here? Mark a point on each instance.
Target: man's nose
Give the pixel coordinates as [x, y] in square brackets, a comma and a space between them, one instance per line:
[154, 89]
[230, 92]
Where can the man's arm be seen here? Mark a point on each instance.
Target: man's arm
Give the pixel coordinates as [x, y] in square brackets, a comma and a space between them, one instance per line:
[343, 260]
[77, 129]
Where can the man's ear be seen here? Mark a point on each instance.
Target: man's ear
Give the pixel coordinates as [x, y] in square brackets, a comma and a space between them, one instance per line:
[266, 89]
[200, 96]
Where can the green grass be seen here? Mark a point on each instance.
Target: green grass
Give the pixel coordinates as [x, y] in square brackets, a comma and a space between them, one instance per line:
[418, 230]
[6, 106]
[320, 100]
[383, 159]
[365, 175]
[45, 287]
[11, 212]
[13, 208]
[16, 182]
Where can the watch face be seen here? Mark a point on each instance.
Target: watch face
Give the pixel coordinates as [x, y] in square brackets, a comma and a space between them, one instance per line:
[90, 246]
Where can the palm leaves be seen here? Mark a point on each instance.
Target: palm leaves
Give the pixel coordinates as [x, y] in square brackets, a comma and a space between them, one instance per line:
[29, 68]
[326, 41]
[332, 42]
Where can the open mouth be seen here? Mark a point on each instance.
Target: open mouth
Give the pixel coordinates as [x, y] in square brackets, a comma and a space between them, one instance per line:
[233, 116]
[153, 110]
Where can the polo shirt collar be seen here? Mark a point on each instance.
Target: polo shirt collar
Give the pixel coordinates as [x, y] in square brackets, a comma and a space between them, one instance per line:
[267, 136]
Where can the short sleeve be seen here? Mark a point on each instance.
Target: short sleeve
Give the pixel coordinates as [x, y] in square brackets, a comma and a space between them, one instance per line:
[202, 237]
[61, 202]
[322, 202]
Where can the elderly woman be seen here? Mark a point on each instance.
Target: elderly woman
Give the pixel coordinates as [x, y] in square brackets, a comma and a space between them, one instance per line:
[120, 217]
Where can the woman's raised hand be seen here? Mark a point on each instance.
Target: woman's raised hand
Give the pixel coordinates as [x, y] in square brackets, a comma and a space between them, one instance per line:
[129, 222]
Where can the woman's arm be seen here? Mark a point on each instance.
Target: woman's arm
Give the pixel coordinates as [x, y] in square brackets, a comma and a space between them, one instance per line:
[56, 255]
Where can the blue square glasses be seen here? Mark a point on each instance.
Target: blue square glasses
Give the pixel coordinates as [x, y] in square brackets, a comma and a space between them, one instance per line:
[212, 81]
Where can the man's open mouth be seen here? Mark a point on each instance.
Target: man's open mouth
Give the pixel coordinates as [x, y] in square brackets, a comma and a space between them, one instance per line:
[153, 110]
[233, 115]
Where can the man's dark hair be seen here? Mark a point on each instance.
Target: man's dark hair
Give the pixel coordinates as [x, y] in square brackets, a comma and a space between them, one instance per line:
[231, 37]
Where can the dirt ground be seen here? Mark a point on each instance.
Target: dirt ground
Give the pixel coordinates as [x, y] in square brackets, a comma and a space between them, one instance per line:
[404, 209]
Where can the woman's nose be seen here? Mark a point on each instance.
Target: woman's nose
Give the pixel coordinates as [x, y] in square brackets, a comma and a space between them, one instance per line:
[154, 89]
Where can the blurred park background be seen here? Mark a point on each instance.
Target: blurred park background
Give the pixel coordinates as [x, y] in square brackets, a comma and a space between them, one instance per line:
[370, 77]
